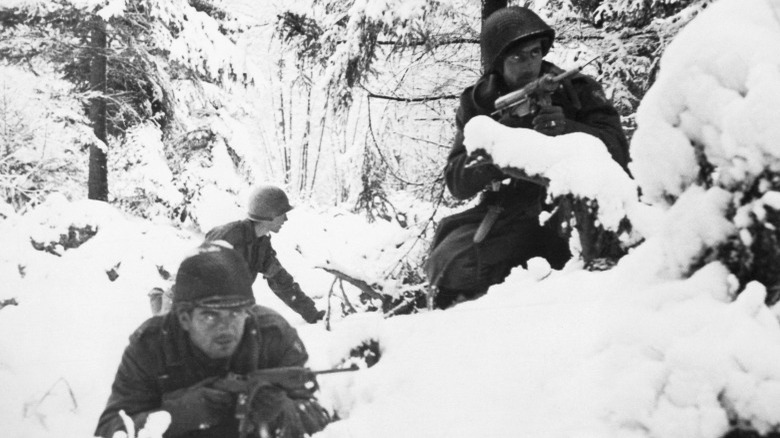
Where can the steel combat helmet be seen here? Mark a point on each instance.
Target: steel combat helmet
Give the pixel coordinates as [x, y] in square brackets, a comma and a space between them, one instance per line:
[215, 277]
[266, 203]
[507, 27]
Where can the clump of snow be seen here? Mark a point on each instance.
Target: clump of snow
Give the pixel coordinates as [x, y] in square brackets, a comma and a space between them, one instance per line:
[692, 226]
[576, 164]
[717, 91]
[577, 354]
[114, 8]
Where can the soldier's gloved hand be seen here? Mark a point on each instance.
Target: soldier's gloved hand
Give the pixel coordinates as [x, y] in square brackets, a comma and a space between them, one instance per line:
[267, 405]
[286, 416]
[197, 407]
[313, 316]
[313, 417]
[550, 120]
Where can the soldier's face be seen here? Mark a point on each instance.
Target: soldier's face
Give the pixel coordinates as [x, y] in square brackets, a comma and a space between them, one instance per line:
[522, 64]
[216, 332]
[263, 228]
[275, 225]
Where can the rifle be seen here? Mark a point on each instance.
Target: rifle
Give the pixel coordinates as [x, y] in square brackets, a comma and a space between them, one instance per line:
[291, 379]
[528, 99]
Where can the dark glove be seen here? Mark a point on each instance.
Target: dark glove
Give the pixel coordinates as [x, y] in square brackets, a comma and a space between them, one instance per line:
[295, 417]
[313, 416]
[273, 411]
[267, 405]
[550, 120]
[197, 407]
[313, 316]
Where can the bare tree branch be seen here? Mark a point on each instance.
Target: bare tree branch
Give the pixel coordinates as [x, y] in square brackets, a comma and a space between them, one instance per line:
[360, 284]
[414, 99]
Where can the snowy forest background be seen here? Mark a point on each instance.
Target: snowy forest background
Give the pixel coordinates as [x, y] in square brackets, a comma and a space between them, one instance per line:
[344, 104]
[170, 110]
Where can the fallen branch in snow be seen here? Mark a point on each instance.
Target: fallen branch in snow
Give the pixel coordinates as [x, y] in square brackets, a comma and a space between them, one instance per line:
[9, 302]
[346, 299]
[327, 313]
[360, 284]
[31, 408]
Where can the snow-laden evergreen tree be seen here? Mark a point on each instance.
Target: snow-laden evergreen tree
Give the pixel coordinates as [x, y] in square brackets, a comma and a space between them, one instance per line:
[151, 49]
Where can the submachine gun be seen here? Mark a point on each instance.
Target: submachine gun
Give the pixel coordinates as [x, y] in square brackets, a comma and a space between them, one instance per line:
[291, 379]
[536, 94]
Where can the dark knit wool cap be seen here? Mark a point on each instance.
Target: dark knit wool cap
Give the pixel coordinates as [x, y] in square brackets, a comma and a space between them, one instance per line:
[216, 277]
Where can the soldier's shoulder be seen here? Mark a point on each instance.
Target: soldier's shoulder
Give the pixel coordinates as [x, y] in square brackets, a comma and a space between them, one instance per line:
[229, 230]
[589, 89]
[151, 328]
[586, 80]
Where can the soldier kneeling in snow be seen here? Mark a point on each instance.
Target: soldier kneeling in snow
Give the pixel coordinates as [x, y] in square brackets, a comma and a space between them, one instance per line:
[478, 247]
[266, 214]
[175, 362]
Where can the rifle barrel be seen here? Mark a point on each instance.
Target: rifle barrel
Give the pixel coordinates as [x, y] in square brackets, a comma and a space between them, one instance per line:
[336, 370]
[577, 69]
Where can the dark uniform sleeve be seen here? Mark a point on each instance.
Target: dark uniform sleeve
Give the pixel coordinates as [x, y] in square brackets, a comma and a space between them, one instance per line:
[285, 349]
[598, 118]
[464, 181]
[134, 390]
[284, 286]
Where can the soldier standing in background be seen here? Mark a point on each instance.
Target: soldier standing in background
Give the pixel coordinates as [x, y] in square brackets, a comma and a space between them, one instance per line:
[266, 213]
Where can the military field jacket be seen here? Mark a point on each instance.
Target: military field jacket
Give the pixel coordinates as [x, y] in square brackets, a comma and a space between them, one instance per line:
[161, 358]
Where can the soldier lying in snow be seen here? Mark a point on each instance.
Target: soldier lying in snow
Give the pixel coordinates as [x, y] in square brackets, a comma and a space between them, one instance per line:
[176, 362]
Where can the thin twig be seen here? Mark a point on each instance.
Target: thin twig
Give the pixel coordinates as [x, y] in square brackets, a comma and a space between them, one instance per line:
[382, 156]
[344, 294]
[330, 294]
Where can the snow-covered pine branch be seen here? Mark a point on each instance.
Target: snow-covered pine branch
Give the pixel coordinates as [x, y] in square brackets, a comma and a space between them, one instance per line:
[709, 126]
[344, 37]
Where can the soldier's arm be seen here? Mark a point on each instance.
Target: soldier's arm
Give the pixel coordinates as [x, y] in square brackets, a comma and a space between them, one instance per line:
[462, 180]
[134, 390]
[286, 288]
[285, 349]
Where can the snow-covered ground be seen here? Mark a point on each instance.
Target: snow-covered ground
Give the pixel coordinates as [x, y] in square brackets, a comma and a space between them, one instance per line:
[652, 348]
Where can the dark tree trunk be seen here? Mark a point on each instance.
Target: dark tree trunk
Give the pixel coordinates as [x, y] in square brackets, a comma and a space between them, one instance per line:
[490, 6]
[304, 175]
[98, 168]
